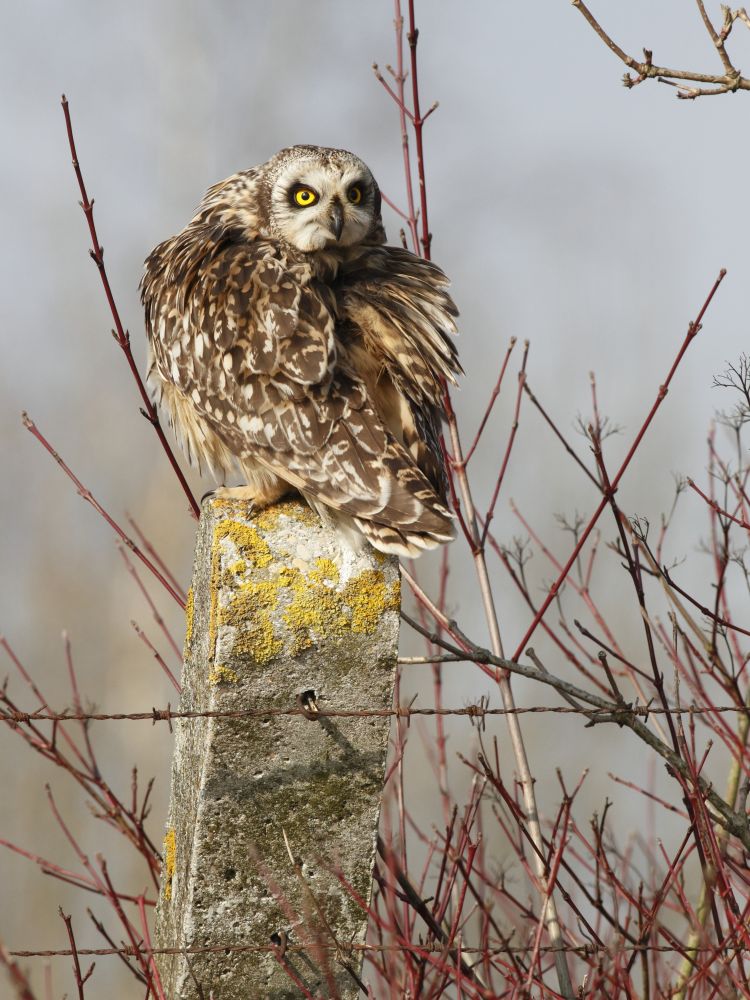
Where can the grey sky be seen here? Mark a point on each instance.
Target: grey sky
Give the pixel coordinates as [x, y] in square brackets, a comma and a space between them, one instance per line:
[567, 210]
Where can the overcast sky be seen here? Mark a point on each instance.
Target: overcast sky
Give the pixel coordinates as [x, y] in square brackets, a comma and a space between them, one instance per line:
[590, 219]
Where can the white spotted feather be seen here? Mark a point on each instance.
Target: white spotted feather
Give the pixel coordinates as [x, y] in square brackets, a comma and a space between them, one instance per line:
[289, 344]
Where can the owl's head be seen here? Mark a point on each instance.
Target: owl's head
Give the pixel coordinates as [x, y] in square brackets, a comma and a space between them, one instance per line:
[316, 198]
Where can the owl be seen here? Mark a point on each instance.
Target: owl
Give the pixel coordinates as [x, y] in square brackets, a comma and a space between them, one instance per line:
[290, 347]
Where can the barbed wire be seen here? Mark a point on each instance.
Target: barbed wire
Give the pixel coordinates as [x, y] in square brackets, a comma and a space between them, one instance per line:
[129, 951]
[16, 717]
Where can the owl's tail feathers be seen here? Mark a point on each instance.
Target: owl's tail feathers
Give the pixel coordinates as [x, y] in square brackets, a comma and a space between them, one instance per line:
[406, 542]
[404, 539]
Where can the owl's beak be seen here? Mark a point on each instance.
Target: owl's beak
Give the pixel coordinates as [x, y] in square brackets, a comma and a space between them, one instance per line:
[336, 222]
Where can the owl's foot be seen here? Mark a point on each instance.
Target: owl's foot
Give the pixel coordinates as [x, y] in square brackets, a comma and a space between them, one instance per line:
[237, 493]
[260, 495]
[234, 493]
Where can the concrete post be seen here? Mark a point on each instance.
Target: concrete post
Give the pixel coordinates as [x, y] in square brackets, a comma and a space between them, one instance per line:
[281, 613]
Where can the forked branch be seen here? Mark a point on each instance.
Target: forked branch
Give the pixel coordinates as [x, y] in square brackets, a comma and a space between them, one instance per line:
[730, 81]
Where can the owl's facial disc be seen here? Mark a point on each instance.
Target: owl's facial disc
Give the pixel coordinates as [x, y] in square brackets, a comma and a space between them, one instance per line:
[318, 205]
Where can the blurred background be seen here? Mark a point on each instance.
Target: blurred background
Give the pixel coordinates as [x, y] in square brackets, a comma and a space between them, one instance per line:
[590, 219]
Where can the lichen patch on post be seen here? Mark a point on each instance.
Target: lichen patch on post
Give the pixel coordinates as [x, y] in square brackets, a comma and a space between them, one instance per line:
[246, 539]
[315, 611]
[260, 611]
[257, 640]
[326, 571]
[369, 596]
[170, 859]
[223, 675]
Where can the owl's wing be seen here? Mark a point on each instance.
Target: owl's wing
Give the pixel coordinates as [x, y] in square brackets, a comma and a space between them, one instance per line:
[401, 302]
[249, 340]
[400, 305]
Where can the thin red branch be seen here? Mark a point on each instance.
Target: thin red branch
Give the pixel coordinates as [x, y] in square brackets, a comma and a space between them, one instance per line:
[121, 335]
[80, 978]
[418, 121]
[716, 507]
[693, 330]
[88, 496]
[78, 704]
[149, 548]
[508, 449]
[158, 988]
[18, 978]
[491, 403]
[156, 655]
[152, 606]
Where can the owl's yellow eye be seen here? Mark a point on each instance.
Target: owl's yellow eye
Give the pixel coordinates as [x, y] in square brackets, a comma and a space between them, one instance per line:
[304, 197]
[355, 194]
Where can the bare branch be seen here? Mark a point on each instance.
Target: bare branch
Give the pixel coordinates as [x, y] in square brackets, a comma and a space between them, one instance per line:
[731, 80]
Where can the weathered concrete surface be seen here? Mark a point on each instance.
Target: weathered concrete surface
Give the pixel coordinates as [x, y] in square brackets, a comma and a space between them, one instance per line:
[279, 606]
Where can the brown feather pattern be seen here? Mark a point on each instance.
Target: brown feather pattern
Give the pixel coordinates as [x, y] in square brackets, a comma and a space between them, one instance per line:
[319, 371]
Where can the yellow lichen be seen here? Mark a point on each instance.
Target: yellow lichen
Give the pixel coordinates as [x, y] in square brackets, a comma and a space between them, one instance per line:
[325, 569]
[251, 547]
[315, 609]
[296, 510]
[248, 613]
[368, 596]
[247, 599]
[249, 543]
[258, 640]
[223, 675]
[170, 861]
[287, 576]
[311, 604]
[267, 517]
[230, 505]
[189, 612]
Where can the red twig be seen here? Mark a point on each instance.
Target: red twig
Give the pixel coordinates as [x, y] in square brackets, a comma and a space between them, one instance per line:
[152, 606]
[418, 121]
[80, 978]
[158, 988]
[88, 496]
[19, 981]
[693, 330]
[156, 655]
[148, 547]
[144, 960]
[508, 449]
[120, 334]
[490, 405]
[554, 868]
[78, 705]
[716, 507]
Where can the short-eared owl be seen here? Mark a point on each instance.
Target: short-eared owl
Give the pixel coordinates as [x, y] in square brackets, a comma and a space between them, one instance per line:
[290, 345]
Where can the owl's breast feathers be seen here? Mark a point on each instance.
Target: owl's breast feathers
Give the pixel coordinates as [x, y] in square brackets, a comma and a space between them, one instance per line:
[329, 380]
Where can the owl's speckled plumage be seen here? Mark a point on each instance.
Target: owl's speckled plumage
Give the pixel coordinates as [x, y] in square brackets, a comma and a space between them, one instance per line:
[288, 343]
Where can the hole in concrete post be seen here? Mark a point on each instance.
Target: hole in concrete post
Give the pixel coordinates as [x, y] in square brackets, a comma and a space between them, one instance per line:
[308, 702]
[229, 873]
[279, 938]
